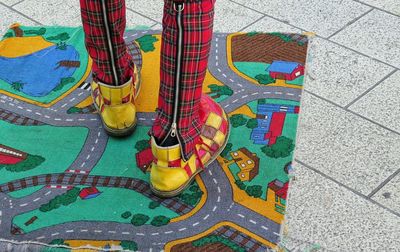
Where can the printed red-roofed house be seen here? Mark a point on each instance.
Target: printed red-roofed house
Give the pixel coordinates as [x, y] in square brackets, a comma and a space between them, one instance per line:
[277, 191]
[9, 155]
[276, 127]
[89, 193]
[144, 159]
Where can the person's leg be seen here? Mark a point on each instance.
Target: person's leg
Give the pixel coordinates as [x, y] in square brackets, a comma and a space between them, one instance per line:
[177, 133]
[114, 73]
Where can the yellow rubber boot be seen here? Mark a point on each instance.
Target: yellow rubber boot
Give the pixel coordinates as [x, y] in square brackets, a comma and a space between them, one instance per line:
[170, 174]
[116, 105]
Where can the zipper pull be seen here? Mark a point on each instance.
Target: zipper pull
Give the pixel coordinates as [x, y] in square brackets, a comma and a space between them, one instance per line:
[173, 129]
[180, 6]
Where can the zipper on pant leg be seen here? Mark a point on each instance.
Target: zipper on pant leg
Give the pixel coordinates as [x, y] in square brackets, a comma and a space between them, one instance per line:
[173, 132]
[109, 42]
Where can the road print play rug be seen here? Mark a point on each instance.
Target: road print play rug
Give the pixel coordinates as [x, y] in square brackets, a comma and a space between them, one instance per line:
[64, 182]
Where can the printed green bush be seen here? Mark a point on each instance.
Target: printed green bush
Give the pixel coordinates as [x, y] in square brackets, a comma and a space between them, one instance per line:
[31, 161]
[160, 220]
[139, 219]
[282, 148]
[64, 199]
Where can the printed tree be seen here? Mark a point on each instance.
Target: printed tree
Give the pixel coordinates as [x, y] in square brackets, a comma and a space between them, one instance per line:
[254, 191]
[64, 199]
[146, 43]
[126, 215]
[238, 120]
[139, 219]
[160, 220]
[218, 91]
[282, 148]
[264, 79]
[142, 145]
[17, 86]
[61, 36]
[31, 161]
[226, 151]
[154, 204]
[129, 245]
[252, 123]
[63, 82]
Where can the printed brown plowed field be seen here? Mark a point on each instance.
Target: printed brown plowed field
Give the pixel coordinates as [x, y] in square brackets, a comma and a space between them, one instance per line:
[267, 48]
[206, 248]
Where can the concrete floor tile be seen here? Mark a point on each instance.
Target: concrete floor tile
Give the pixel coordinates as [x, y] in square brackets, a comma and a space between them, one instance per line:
[322, 17]
[10, 2]
[392, 6]
[389, 195]
[133, 19]
[341, 75]
[327, 214]
[9, 17]
[55, 12]
[229, 17]
[267, 24]
[149, 8]
[382, 103]
[377, 35]
[352, 150]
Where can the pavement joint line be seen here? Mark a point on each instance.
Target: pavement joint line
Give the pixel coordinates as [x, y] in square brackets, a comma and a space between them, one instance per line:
[387, 180]
[347, 187]
[350, 23]
[20, 13]
[371, 88]
[140, 14]
[352, 112]
[252, 23]
[318, 36]
[377, 8]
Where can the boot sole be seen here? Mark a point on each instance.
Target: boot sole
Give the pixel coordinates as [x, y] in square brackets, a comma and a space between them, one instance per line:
[176, 192]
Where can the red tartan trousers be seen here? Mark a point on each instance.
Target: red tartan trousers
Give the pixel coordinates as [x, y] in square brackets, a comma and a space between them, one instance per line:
[113, 65]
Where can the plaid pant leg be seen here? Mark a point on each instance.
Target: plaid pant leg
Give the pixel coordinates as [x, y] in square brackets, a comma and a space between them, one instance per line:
[198, 17]
[104, 25]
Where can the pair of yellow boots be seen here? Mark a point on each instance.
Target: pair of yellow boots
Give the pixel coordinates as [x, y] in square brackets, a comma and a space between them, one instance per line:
[170, 174]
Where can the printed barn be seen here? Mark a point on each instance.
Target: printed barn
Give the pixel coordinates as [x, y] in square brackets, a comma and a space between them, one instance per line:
[285, 70]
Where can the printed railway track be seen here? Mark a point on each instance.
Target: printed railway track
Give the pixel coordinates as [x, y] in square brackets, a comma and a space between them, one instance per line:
[73, 179]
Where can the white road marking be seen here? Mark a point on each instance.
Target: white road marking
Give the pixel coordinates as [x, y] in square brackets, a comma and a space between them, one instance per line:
[83, 164]
[256, 93]
[195, 224]
[182, 229]
[224, 75]
[54, 234]
[215, 208]
[278, 92]
[240, 215]
[231, 80]
[125, 233]
[244, 96]
[215, 181]
[69, 120]
[36, 199]
[219, 189]
[275, 233]
[209, 171]
[22, 205]
[88, 156]
[206, 217]
[98, 231]
[235, 100]
[57, 119]
[168, 232]
[219, 70]
[92, 149]
[140, 234]
[251, 221]
[47, 193]
[39, 238]
[263, 227]
[155, 233]
[290, 94]
[64, 105]
[112, 232]
[240, 85]
[219, 198]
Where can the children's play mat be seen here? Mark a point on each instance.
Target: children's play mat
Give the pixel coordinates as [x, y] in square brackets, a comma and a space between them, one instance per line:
[64, 182]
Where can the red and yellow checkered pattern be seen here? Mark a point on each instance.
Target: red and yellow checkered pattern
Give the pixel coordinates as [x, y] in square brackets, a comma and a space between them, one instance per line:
[170, 174]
